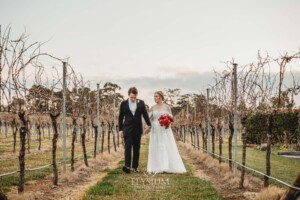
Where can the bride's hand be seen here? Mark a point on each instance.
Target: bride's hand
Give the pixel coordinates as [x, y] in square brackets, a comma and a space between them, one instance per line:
[146, 129]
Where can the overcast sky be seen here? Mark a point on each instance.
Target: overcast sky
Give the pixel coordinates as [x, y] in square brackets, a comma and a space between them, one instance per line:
[156, 44]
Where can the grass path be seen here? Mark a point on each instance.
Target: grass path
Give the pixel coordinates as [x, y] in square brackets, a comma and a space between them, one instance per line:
[118, 185]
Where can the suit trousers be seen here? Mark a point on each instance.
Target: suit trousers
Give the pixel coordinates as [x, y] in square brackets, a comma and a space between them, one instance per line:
[132, 142]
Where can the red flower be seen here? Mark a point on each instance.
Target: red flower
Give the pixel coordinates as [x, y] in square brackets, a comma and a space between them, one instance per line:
[165, 120]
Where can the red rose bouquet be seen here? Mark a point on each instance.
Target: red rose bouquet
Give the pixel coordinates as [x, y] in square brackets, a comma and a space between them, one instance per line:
[165, 120]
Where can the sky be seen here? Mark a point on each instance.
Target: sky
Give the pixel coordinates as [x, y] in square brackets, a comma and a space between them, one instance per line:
[156, 44]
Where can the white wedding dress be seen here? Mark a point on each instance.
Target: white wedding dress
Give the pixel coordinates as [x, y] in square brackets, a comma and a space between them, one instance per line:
[163, 153]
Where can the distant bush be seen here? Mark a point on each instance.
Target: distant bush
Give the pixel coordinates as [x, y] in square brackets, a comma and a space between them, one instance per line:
[285, 128]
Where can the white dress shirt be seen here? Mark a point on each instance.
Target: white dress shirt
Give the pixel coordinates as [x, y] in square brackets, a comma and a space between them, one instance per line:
[132, 106]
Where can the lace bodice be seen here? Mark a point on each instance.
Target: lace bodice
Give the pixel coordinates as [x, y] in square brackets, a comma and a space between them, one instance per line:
[156, 112]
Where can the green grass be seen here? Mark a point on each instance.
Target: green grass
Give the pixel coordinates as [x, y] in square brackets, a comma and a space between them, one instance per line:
[7, 182]
[283, 168]
[37, 158]
[118, 185]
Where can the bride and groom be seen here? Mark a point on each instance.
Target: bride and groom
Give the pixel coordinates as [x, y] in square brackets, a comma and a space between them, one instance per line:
[163, 154]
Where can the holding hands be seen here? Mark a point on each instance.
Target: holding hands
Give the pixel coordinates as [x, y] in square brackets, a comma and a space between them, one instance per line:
[146, 129]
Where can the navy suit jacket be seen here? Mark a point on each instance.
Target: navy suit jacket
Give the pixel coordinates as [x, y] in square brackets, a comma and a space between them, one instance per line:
[132, 124]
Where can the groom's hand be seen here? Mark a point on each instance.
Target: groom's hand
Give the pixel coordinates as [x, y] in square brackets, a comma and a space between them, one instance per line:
[147, 129]
[121, 133]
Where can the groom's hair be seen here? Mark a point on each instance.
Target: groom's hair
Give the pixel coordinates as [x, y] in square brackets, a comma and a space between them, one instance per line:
[132, 90]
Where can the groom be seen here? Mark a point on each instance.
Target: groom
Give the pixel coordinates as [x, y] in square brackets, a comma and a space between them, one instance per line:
[131, 128]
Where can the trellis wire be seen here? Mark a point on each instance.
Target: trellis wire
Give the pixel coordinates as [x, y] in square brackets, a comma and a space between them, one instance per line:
[38, 168]
[249, 168]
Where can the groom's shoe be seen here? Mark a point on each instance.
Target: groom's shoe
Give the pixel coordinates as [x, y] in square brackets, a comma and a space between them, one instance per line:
[126, 169]
[136, 170]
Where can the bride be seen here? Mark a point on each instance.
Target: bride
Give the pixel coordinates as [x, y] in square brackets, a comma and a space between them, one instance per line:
[163, 153]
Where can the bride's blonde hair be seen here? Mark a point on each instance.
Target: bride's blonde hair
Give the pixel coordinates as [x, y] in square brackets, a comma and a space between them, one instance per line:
[161, 94]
